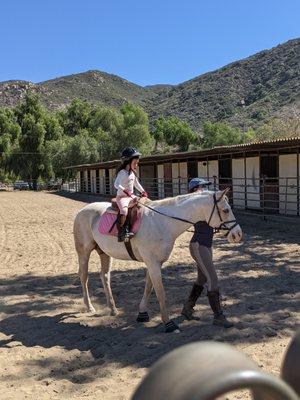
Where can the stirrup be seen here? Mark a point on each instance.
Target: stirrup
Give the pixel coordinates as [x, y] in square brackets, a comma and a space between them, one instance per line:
[128, 236]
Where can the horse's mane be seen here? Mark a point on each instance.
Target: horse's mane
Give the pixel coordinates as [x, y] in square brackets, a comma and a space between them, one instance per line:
[178, 199]
[171, 200]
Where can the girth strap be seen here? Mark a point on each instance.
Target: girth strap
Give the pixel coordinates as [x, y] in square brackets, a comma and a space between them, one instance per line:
[129, 249]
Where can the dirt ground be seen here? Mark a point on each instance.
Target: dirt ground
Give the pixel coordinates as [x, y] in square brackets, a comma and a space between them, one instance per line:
[51, 349]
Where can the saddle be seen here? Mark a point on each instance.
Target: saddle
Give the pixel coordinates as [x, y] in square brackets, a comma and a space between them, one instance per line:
[108, 220]
[114, 205]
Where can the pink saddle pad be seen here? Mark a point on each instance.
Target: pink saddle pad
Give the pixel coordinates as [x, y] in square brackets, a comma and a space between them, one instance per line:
[108, 220]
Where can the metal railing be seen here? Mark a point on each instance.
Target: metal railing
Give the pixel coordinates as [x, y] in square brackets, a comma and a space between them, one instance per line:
[263, 195]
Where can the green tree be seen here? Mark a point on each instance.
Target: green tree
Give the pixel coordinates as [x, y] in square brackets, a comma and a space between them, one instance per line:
[174, 132]
[133, 131]
[220, 134]
[105, 125]
[31, 160]
[10, 132]
[76, 117]
[80, 149]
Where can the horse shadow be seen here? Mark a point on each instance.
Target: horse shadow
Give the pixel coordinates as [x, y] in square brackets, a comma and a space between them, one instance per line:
[43, 312]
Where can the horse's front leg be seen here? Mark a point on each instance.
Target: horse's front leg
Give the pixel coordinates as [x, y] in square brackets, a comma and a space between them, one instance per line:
[154, 269]
[143, 315]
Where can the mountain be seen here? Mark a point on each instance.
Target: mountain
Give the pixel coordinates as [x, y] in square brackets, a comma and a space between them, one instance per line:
[244, 93]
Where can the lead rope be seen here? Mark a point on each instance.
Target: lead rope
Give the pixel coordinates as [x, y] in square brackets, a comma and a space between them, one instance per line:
[221, 227]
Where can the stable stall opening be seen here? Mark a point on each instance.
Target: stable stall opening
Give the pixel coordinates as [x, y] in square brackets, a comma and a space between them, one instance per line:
[168, 180]
[97, 181]
[269, 186]
[225, 175]
[82, 182]
[192, 169]
[148, 180]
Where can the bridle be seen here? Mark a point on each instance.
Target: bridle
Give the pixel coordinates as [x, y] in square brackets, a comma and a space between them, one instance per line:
[222, 227]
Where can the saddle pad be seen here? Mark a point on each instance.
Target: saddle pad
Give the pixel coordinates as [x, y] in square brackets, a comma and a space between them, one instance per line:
[107, 220]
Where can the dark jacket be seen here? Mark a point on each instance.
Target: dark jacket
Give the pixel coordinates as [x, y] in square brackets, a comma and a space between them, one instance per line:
[203, 234]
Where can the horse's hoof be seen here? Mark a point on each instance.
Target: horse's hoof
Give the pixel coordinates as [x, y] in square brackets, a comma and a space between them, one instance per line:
[114, 312]
[91, 310]
[143, 317]
[171, 327]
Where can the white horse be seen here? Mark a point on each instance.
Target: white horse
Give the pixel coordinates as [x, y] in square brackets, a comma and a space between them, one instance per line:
[163, 221]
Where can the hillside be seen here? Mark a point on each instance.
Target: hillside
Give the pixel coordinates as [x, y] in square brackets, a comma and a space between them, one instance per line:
[244, 93]
[94, 86]
[247, 91]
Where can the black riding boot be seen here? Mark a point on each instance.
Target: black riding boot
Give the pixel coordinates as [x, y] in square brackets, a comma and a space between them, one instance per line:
[121, 233]
[219, 317]
[189, 305]
[124, 232]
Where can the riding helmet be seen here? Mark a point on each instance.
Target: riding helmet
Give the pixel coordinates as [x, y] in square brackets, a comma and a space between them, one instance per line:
[130, 152]
[196, 182]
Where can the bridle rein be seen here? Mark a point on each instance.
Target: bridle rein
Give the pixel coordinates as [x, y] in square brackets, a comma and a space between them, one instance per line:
[222, 227]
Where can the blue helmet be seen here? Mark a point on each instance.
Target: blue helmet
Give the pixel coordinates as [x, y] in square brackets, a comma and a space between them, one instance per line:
[196, 182]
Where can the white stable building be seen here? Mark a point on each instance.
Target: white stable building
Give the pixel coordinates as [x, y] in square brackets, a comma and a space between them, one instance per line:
[263, 176]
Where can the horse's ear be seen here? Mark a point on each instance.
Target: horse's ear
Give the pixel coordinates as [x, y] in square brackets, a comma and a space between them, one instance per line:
[223, 193]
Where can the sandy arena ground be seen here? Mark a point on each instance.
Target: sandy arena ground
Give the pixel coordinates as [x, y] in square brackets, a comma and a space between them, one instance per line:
[50, 349]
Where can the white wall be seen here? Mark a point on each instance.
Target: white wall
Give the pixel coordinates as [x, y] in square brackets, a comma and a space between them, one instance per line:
[253, 182]
[183, 173]
[202, 169]
[213, 170]
[238, 182]
[288, 184]
[160, 181]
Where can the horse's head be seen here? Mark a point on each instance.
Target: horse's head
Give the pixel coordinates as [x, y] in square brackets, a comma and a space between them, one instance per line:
[220, 216]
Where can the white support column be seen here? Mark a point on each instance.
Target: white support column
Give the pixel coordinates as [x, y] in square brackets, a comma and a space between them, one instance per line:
[112, 174]
[102, 181]
[93, 181]
[85, 178]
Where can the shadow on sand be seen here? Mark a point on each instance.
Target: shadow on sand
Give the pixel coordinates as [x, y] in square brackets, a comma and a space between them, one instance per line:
[259, 288]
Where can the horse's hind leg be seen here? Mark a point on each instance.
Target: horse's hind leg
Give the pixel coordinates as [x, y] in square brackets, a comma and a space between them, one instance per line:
[83, 261]
[105, 278]
[143, 315]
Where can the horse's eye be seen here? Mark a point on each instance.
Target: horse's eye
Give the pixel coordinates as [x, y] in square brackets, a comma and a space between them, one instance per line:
[226, 211]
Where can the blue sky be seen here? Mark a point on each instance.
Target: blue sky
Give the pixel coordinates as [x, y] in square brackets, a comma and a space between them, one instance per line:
[146, 42]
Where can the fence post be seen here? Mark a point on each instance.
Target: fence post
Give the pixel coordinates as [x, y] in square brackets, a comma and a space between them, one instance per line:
[215, 182]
